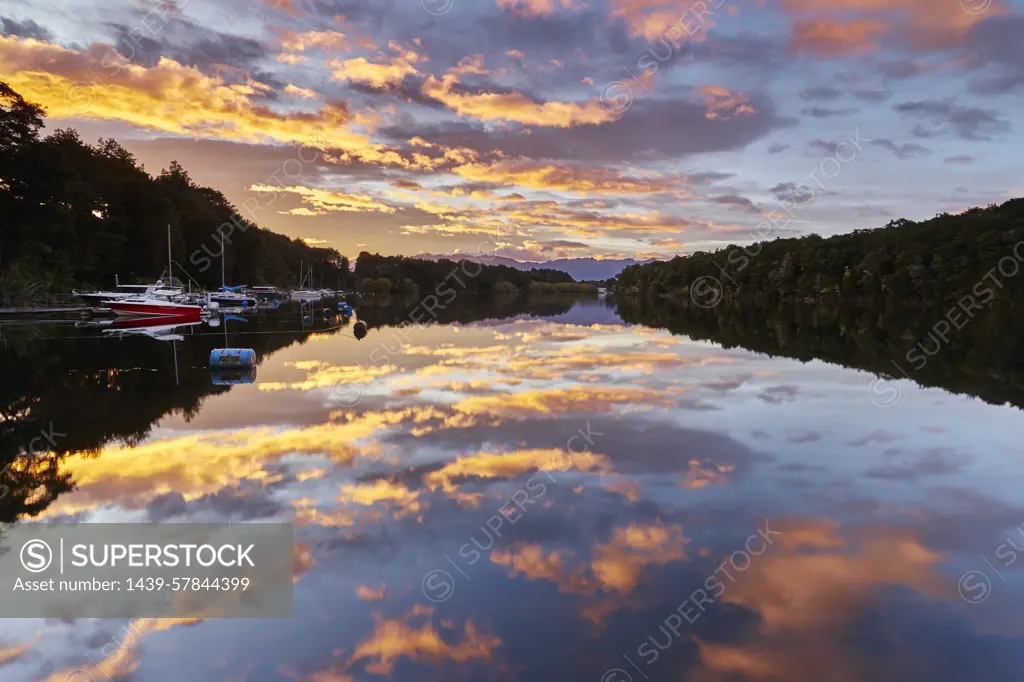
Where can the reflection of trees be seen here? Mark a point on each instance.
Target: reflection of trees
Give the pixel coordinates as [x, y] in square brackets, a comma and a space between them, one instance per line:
[96, 391]
[394, 311]
[985, 358]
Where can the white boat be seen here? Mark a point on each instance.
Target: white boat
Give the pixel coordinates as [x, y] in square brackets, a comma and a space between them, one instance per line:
[228, 298]
[306, 295]
[123, 291]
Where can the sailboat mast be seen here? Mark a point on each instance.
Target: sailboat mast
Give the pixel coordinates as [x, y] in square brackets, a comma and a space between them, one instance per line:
[223, 257]
[170, 262]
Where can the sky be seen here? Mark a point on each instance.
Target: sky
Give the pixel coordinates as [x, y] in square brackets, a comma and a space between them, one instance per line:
[540, 129]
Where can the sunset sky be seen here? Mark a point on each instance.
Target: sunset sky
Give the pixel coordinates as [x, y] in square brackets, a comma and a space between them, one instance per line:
[540, 129]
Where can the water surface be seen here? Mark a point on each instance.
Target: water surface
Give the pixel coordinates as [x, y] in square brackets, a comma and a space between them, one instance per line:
[545, 492]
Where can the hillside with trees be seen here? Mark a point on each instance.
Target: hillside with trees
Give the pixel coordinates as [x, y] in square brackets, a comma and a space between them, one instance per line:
[935, 261]
[75, 214]
[377, 274]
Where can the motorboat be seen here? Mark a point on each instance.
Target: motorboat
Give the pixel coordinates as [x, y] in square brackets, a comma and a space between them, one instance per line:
[124, 291]
[155, 306]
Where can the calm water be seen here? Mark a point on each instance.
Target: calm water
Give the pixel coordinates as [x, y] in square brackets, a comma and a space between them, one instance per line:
[547, 492]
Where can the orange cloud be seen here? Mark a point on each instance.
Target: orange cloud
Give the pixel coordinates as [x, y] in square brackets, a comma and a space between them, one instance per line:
[321, 40]
[831, 28]
[533, 8]
[831, 38]
[325, 201]
[724, 104]
[367, 593]
[807, 589]
[296, 91]
[360, 70]
[489, 465]
[404, 501]
[396, 638]
[575, 179]
[11, 653]
[618, 563]
[516, 107]
[173, 98]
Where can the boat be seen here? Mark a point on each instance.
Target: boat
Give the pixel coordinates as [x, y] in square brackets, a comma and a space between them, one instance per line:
[154, 306]
[267, 294]
[307, 295]
[123, 291]
[231, 297]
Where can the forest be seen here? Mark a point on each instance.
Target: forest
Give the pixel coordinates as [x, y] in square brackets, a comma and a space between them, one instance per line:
[399, 274]
[75, 214]
[973, 254]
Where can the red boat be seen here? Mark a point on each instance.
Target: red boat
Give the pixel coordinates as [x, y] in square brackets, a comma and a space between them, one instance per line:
[155, 307]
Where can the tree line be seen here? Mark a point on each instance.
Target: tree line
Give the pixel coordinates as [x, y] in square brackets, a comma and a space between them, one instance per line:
[975, 254]
[400, 274]
[75, 214]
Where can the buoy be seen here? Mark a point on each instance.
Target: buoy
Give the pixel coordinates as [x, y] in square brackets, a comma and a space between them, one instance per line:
[359, 330]
[277, 303]
[229, 358]
[213, 305]
[245, 303]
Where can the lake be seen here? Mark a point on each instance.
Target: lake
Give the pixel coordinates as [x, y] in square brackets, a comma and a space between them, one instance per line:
[548, 490]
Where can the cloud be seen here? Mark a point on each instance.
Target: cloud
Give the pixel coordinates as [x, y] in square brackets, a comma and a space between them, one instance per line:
[828, 38]
[397, 638]
[514, 106]
[324, 41]
[995, 49]
[837, 28]
[946, 117]
[359, 70]
[821, 93]
[736, 202]
[533, 8]
[296, 91]
[24, 29]
[824, 112]
[173, 98]
[325, 201]
[902, 151]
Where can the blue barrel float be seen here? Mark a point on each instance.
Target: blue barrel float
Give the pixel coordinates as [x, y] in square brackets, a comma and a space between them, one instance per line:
[345, 309]
[230, 358]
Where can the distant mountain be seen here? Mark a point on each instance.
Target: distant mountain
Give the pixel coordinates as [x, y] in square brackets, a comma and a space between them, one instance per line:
[580, 269]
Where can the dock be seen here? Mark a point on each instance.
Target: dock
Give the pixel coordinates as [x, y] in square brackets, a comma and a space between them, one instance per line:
[47, 310]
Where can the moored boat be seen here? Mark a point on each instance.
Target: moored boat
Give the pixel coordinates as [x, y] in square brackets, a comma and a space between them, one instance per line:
[124, 291]
[153, 306]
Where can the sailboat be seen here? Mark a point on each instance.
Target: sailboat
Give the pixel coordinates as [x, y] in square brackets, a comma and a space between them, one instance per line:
[230, 297]
[307, 294]
[158, 303]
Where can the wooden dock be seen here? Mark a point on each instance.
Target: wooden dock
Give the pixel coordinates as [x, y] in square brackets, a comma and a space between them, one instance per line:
[47, 310]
